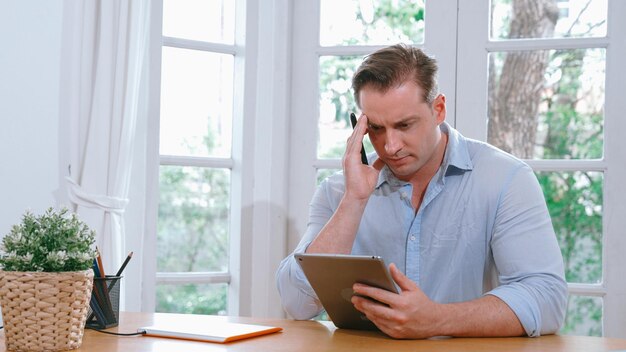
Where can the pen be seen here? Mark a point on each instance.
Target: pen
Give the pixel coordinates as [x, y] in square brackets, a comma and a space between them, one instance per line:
[363, 155]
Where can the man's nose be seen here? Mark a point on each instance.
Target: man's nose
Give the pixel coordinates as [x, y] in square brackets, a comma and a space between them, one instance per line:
[393, 143]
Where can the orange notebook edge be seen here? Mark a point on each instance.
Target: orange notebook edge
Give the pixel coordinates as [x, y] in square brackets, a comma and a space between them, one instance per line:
[253, 334]
[208, 338]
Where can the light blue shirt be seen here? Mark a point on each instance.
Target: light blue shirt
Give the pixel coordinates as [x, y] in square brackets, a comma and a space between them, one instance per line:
[482, 228]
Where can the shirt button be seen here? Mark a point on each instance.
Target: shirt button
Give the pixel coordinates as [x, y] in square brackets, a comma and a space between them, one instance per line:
[402, 195]
[412, 238]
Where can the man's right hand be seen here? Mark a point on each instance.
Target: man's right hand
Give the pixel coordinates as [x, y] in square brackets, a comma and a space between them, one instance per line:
[339, 233]
[360, 179]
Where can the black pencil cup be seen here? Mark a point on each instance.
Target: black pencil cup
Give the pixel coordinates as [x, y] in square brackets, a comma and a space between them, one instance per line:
[104, 307]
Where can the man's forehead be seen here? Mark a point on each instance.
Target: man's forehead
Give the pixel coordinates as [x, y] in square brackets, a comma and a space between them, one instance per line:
[383, 92]
[384, 88]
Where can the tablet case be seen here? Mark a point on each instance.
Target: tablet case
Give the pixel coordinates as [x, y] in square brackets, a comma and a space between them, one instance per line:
[332, 277]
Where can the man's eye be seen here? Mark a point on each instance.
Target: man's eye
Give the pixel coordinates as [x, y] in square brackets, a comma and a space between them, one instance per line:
[403, 126]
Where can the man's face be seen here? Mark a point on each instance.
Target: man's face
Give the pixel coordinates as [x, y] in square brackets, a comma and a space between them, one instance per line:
[403, 128]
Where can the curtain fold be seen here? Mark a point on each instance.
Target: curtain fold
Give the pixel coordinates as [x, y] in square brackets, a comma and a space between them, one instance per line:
[108, 51]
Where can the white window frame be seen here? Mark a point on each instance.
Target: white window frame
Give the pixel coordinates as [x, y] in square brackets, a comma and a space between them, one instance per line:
[258, 202]
[473, 49]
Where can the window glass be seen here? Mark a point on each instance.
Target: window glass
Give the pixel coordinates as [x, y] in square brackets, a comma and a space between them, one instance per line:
[209, 299]
[584, 316]
[322, 174]
[202, 20]
[575, 202]
[196, 103]
[336, 104]
[548, 19]
[555, 110]
[371, 22]
[193, 220]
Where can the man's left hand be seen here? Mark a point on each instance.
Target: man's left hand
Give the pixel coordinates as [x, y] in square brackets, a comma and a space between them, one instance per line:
[407, 315]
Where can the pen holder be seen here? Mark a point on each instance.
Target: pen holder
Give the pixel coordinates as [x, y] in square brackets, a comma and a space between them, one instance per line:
[104, 307]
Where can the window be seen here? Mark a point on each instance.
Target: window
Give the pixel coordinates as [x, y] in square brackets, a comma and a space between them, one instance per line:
[557, 116]
[254, 112]
[195, 147]
[217, 161]
[560, 115]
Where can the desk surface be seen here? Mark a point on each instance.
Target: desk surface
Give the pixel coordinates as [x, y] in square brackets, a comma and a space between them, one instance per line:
[316, 336]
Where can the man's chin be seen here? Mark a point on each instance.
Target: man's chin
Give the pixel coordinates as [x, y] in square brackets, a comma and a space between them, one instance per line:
[403, 172]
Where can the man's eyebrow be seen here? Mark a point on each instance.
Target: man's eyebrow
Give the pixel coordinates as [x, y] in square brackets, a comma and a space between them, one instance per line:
[403, 121]
[370, 123]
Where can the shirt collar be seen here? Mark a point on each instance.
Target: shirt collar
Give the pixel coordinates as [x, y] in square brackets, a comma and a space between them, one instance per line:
[456, 159]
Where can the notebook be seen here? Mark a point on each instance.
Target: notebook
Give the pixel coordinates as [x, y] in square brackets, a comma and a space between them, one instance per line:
[220, 332]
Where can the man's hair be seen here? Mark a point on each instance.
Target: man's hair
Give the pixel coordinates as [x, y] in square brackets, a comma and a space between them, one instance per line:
[394, 65]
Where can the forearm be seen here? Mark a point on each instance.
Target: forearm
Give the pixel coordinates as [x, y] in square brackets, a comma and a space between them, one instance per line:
[487, 316]
[338, 235]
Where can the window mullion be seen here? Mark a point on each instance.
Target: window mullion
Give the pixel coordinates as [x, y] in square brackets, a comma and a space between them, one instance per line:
[193, 278]
[614, 313]
[199, 45]
[176, 160]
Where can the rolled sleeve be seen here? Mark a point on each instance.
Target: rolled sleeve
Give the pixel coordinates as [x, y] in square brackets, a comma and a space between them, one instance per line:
[539, 307]
[297, 297]
[527, 256]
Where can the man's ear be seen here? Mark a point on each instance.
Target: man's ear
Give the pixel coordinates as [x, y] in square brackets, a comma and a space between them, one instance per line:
[439, 107]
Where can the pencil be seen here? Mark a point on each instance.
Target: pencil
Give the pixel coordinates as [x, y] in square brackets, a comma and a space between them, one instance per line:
[119, 272]
[99, 261]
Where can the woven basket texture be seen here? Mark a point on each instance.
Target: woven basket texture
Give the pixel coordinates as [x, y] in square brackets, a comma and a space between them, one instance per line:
[44, 311]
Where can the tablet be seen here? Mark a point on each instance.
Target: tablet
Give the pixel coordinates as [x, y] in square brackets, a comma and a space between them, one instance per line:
[332, 277]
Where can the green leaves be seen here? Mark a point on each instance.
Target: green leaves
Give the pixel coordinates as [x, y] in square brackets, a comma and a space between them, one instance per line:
[52, 242]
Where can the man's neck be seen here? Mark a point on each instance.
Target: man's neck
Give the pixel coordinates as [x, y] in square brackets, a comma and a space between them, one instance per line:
[422, 178]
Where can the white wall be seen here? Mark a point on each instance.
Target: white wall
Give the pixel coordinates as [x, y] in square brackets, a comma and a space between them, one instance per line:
[30, 33]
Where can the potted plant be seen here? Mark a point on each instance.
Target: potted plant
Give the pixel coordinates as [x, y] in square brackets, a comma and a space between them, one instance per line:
[46, 281]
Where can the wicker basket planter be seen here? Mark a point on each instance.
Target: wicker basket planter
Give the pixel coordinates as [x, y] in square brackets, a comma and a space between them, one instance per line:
[44, 311]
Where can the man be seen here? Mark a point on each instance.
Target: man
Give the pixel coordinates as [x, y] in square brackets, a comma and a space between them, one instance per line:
[464, 224]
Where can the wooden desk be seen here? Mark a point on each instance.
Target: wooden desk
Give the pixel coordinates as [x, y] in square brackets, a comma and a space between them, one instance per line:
[316, 336]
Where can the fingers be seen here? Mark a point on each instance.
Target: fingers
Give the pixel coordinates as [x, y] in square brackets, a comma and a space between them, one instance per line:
[385, 296]
[355, 140]
[371, 307]
[361, 124]
[375, 293]
[403, 282]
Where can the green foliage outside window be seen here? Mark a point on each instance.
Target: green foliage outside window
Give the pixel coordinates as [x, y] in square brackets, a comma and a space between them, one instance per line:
[575, 198]
[208, 299]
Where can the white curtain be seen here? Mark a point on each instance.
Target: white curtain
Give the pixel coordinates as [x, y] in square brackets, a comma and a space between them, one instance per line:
[106, 44]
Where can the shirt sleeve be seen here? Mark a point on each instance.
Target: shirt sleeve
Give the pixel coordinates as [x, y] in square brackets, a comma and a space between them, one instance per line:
[297, 297]
[527, 256]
